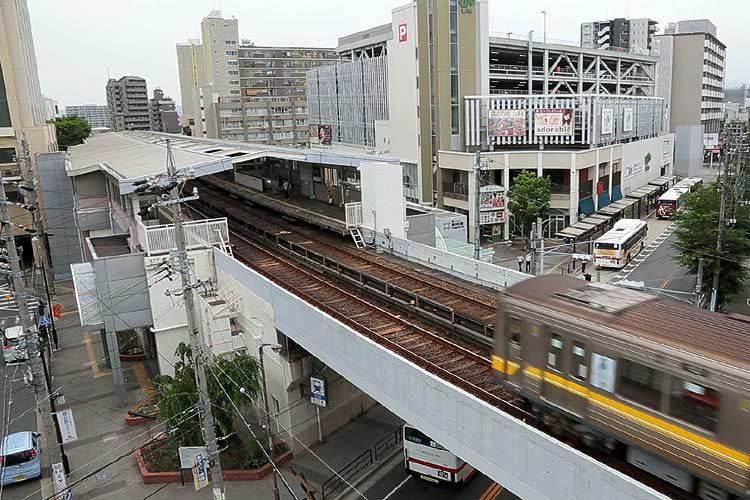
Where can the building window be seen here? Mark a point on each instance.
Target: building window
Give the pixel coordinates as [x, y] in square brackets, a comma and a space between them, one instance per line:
[7, 155]
[233, 72]
[641, 384]
[233, 63]
[231, 52]
[4, 109]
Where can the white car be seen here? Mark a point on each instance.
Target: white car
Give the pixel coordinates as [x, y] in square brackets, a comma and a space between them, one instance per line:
[13, 350]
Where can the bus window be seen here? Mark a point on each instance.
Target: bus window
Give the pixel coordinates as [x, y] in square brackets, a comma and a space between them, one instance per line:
[555, 350]
[694, 403]
[579, 369]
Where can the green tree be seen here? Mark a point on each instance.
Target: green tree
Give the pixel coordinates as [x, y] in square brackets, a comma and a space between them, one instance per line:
[71, 130]
[179, 393]
[529, 198]
[696, 234]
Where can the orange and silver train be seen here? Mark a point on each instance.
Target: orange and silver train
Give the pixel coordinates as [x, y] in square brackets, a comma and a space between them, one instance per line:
[665, 385]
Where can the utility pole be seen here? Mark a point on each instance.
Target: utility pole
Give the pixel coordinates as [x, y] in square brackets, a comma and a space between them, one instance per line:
[534, 232]
[198, 349]
[699, 282]
[477, 213]
[720, 236]
[30, 334]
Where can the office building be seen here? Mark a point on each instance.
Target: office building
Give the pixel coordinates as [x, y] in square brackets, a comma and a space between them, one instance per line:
[620, 34]
[691, 76]
[127, 99]
[51, 110]
[232, 89]
[162, 113]
[97, 116]
[22, 108]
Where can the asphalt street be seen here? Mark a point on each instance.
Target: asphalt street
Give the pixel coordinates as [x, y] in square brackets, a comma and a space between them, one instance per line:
[395, 484]
[17, 413]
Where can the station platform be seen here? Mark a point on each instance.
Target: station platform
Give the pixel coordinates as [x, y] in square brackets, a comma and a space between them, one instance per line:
[331, 218]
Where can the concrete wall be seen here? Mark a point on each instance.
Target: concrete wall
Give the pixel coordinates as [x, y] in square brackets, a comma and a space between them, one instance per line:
[532, 465]
[636, 172]
[688, 151]
[57, 204]
[422, 229]
[687, 80]
[383, 204]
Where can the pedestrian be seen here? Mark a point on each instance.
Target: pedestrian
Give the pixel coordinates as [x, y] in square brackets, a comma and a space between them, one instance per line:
[520, 263]
[286, 187]
[583, 266]
[528, 262]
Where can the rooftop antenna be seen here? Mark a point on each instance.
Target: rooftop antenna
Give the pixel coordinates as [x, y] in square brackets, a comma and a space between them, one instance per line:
[108, 77]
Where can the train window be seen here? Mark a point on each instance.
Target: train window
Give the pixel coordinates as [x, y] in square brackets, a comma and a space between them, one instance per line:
[579, 369]
[514, 327]
[641, 384]
[555, 351]
[694, 403]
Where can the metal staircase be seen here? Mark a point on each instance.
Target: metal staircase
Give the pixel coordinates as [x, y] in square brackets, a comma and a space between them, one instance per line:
[359, 240]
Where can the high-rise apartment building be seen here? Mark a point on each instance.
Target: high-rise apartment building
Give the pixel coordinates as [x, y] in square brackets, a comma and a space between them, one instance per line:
[97, 116]
[232, 89]
[630, 35]
[127, 99]
[163, 113]
[691, 76]
[22, 109]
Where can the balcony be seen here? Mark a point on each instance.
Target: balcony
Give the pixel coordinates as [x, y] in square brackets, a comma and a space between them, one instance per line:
[456, 191]
[198, 234]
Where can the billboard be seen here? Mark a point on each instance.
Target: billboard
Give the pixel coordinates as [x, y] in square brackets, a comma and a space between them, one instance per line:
[627, 120]
[608, 119]
[320, 134]
[553, 121]
[496, 217]
[491, 197]
[506, 123]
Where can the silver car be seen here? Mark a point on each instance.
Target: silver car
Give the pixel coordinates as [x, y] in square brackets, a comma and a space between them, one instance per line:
[14, 349]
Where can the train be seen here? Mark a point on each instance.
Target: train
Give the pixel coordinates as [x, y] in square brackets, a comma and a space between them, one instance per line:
[663, 385]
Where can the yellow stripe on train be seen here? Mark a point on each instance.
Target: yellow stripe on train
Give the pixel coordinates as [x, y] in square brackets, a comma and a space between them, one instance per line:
[674, 431]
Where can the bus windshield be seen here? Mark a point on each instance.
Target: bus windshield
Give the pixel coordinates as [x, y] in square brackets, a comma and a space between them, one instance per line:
[413, 435]
[605, 246]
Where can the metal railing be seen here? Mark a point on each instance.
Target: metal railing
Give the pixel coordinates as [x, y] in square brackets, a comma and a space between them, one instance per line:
[200, 233]
[456, 190]
[353, 214]
[367, 458]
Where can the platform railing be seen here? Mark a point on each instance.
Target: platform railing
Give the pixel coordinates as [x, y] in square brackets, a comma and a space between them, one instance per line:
[353, 214]
[198, 234]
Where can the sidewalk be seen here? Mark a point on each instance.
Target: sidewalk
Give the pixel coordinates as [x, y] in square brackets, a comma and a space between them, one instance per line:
[80, 372]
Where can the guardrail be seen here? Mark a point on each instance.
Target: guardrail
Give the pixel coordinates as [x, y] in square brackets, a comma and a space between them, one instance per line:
[200, 233]
[367, 458]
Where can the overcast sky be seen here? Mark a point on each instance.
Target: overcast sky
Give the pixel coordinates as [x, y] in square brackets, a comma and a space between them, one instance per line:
[79, 41]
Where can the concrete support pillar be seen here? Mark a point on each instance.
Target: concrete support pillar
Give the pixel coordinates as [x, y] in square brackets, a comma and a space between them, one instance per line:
[580, 73]
[595, 195]
[546, 73]
[611, 168]
[574, 193]
[472, 213]
[539, 169]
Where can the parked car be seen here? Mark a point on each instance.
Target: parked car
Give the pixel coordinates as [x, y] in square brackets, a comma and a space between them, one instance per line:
[13, 348]
[21, 457]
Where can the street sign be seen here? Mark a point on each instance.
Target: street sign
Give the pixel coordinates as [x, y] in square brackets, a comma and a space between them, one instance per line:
[318, 391]
[188, 453]
[59, 481]
[45, 320]
[67, 426]
[200, 476]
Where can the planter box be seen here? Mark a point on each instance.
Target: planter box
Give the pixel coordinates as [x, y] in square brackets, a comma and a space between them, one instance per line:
[135, 420]
[229, 475]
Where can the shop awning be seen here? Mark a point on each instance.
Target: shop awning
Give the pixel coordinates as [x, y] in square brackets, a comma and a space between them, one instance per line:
[664, 181]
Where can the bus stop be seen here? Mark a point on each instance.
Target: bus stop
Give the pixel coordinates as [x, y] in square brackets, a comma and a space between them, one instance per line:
[626, 208]
[584, 232]
[663, 183]
[646, 196]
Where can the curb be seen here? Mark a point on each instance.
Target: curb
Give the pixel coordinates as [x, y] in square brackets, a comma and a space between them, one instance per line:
[369, 473]
[45, 480]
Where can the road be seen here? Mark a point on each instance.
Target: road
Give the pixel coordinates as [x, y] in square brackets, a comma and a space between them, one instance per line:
[395, 484]
[17, 409]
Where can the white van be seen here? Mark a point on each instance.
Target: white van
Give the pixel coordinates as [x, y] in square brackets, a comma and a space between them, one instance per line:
[13, 350]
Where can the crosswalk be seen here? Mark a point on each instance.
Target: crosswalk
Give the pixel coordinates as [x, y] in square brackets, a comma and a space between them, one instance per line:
[645, 253]
[8, 302]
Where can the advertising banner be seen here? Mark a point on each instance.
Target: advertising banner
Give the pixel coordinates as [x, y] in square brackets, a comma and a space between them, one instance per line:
[494, 217]
[324, 134]
[491, 197]
[607, 121]
[549, 122]
[666, 152]
[507, 123]
[627, 120]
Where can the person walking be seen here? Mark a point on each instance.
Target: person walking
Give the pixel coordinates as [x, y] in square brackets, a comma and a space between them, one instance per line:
[519, 259]
[286, 187]
[528, 262]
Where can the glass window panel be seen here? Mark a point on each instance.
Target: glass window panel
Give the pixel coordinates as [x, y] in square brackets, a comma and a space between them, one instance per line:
[694, 403]
[641, 384]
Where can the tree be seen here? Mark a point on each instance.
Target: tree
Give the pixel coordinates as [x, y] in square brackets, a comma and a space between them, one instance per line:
[696, 234]
[71, 130]
[529, 198]
[179, 393]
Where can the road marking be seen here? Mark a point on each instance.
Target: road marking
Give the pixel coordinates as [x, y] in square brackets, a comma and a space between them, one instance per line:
[394, 490]
[140, 374]
[109, 437]
[492, 491]
[668, 279]
[92, 357]
[646, 252]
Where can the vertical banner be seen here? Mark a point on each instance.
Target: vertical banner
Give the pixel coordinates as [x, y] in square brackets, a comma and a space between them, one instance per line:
[627, 120]
[607, 121]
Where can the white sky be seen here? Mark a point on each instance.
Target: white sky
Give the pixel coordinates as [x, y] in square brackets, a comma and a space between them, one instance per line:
[78, 41]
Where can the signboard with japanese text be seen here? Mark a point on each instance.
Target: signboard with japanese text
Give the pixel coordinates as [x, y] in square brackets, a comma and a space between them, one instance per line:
[551, 122]
[200, 472]
[495, 217]
[318, 391]
[491, 197]
[67, 426]
[188, 453]
[608, 119]
[506, 123]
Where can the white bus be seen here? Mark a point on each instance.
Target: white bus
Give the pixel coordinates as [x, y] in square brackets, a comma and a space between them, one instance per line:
[669, 203]
[619, 245]
[427, 460]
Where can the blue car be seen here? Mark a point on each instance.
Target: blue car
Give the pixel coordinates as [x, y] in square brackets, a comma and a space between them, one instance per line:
[20, 455]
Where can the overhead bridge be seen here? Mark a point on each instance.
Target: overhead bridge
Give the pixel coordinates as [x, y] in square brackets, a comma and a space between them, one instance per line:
[529, 463]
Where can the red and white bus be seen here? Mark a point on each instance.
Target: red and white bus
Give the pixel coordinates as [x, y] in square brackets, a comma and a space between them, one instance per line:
[669, 203]
[427, 460]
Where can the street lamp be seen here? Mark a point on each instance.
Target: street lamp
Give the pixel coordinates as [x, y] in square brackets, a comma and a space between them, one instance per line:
[274, 348]
[544, 13]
